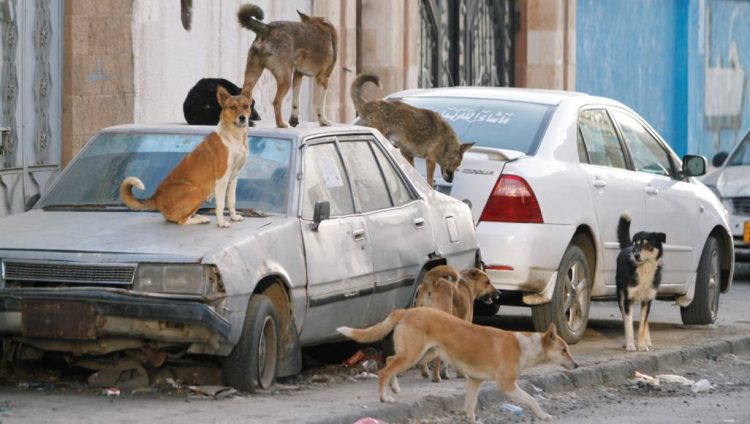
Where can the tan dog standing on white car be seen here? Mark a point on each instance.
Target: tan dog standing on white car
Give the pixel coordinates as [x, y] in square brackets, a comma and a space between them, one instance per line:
[210, 170]
[482, 353]
[417, 132]
[446, 289]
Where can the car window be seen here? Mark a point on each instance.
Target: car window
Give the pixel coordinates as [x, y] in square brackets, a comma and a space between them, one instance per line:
[367, 180]
[600, 139]
[95, 176]
[324, 179]
[647, 154]
[495, 123]
[741, 156]
[400, 194]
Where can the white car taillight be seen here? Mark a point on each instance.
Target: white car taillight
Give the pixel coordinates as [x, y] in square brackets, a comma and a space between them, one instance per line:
[512, 200]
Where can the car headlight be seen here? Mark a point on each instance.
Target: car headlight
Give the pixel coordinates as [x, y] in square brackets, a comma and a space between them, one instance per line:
[193, 279]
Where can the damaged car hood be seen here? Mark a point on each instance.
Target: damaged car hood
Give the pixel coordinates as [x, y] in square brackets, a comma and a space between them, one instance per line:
[134, 233]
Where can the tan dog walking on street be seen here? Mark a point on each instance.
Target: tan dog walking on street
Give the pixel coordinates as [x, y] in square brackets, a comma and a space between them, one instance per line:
[482, 353]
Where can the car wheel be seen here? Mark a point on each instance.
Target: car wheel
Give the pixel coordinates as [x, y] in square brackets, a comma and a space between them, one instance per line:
[253, 361]
[571, 299]
[482, 309]
[705, 305]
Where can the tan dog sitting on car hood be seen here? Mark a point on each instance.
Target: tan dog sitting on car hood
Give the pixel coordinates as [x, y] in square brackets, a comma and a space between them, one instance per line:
[482, 353]
[210, 170]
[446, 289]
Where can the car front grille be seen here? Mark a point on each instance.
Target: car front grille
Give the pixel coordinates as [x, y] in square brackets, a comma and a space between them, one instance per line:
[741, 205]
[51, 272]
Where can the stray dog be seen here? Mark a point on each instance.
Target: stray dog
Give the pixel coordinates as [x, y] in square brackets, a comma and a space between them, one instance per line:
[416, 132]
[201, 107]
[290, 50]
[211, 169]
[638, 277]
[445, 289]
[482, 353]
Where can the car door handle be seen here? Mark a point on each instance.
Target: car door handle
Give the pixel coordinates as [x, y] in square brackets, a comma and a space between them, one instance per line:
[600, 184]
[652, 191]
[358, 234]
[418, 223]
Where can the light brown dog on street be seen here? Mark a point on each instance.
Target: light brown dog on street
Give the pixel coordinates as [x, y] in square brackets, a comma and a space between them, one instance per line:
[211, 169]
[446, 289]
[290, 50]
[416, 132]
[482, 353]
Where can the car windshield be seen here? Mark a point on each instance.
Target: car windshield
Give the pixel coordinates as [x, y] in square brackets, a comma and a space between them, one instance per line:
[93, 180]
[741, 155]
[494, 123]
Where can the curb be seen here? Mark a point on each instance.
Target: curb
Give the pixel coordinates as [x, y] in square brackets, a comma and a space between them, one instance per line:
[609, 372]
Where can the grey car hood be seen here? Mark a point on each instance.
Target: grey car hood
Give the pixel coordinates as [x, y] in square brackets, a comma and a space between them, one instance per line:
[130, 233]
[734, 181]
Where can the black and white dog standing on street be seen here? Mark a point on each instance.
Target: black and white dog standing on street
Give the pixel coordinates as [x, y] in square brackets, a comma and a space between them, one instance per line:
[638, 276]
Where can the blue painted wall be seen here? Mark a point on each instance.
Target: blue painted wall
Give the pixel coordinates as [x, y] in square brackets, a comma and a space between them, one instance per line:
[668, 60]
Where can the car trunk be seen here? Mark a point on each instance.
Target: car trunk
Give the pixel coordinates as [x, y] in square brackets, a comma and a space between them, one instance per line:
[475, 179]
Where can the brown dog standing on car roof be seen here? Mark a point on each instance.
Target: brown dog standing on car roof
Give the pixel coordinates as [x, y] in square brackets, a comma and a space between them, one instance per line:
[211, 169]
[416, 132]
[290, 50]
[446, 289]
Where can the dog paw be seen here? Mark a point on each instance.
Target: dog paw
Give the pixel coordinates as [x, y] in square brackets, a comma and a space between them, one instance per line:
[386, 399]
[294, 121]
[630, 347]
[236, 217]
[324, 122]
[222, 224]
[643, 348]
[282, 125]
[544, 417]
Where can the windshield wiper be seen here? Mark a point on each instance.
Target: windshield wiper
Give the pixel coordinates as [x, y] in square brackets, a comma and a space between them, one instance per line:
[248, 212]
[85, 206]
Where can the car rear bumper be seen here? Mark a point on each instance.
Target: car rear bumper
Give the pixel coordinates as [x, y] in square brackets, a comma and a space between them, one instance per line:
[85, 317]
[522, 257]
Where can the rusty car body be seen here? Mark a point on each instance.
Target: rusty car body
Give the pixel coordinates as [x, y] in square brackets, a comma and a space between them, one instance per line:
[338, 231]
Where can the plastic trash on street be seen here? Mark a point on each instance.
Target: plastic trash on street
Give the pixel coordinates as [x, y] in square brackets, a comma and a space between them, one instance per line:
[516, 410]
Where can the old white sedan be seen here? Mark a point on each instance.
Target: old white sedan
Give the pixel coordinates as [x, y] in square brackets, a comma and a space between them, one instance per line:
[338, 231]
[547, 181]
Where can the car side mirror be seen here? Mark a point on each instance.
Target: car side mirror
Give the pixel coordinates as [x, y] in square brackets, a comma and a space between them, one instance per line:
[719, 159]
[321, 212]
[693, 165]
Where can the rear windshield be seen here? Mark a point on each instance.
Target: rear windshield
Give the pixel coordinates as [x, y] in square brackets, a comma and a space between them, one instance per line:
[492, 123]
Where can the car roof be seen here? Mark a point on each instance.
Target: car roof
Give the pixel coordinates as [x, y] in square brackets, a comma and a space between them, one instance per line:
[261, 128]
[531, 95]
[551, 97]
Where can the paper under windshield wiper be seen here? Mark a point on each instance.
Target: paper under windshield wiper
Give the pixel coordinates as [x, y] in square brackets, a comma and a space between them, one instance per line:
[80, 206]
[248, 212]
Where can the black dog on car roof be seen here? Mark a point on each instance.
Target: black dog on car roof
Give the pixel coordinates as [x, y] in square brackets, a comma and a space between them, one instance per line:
[638, 277]
[202, 108]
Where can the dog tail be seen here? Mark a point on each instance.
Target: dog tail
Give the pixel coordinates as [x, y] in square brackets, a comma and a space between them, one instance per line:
[250, 17]
[375, 332]
[126, 194]
[356, 89]
[623, 231]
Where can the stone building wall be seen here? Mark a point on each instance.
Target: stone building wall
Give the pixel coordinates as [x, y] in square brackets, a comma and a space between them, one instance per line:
[97, 69]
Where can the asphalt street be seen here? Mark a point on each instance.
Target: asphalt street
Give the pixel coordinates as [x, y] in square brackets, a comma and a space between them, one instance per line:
[336, 394]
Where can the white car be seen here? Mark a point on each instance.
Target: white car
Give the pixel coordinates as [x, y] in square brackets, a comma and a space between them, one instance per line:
[731, 182]
[547, 181]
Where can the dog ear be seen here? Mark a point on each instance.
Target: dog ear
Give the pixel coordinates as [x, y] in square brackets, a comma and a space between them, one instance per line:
[661, 237]
[551, 330]
[303, 17]
[222, 95]
[466, 146]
